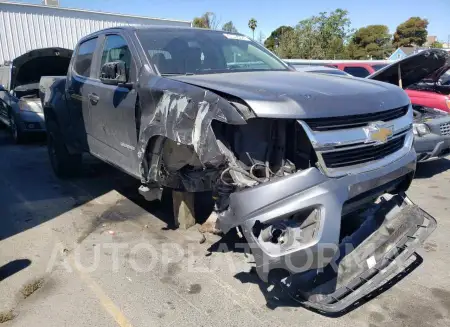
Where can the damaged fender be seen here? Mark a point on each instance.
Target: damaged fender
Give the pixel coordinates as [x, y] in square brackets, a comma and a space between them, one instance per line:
[182, 113]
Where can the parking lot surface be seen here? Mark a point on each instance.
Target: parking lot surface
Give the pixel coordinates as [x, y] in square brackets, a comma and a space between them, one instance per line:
[90, 252]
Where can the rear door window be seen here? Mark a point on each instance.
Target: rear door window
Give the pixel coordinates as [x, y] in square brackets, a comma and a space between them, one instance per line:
[357, 71]
[83, 60]
[379, 66]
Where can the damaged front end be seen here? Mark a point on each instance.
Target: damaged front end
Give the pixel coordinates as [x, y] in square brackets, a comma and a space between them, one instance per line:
[291, 185]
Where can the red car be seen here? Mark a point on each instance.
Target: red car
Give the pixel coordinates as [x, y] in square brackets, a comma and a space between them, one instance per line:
[432, 92]
[357, 69]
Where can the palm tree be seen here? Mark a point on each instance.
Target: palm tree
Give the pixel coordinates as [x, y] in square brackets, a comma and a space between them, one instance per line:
[252, 24]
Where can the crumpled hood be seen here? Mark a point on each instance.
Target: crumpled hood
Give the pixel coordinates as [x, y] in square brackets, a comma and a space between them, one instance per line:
[430, 64]
[287, 94]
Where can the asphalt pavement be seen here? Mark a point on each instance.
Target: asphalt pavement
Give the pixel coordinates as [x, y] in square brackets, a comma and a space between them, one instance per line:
[90, 252]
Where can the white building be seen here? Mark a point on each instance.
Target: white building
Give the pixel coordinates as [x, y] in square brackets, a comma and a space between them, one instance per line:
[24, 27]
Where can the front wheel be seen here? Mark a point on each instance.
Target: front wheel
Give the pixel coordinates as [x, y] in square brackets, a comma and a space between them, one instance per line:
[64, 163]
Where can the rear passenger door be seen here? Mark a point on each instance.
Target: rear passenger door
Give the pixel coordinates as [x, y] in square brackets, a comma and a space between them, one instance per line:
[79, 85]
[116, 105]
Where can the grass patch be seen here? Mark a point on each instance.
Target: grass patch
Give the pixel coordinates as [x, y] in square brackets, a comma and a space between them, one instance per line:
[6, 316]
[31, 287]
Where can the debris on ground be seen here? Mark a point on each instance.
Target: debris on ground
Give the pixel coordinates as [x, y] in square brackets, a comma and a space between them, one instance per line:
[31, 287]
[6, 316]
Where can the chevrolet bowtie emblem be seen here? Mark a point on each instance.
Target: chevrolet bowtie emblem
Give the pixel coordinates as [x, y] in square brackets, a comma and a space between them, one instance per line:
[377, 132]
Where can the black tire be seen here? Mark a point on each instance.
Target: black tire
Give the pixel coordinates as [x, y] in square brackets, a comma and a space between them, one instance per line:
[16, 133]
[64, 164]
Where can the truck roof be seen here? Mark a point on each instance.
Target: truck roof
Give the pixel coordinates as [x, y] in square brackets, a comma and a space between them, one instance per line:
[155, 28]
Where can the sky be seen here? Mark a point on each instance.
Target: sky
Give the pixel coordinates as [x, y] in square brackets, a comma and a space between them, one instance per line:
[271, 14]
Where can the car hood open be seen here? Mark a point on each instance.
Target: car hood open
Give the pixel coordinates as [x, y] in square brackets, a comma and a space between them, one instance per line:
[288, 94]
[430, 64]
[31, 66]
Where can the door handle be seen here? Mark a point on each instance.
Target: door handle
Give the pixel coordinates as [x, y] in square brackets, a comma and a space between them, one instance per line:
[94, 98]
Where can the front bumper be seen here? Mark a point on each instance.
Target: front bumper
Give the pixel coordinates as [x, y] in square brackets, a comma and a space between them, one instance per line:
[31, 122]
[431, 146]
[309, 189]
[330, 199]
[380, 260]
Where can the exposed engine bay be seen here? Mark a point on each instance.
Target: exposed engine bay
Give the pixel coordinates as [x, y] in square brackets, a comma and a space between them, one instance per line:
[254, 153]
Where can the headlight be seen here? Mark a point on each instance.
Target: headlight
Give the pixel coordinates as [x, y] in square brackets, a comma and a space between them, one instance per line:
[420, 129]
[33, 106]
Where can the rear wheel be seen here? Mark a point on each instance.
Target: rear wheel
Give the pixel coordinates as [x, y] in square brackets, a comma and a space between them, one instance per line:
[17, 135]
[64, 163]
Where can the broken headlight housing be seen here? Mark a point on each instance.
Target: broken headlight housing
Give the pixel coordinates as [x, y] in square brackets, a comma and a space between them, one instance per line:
[420, 129]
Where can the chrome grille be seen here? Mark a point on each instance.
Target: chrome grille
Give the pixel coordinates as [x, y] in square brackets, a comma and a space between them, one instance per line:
[349, 150]
[355, 156]
[352, 121]
[445, 129]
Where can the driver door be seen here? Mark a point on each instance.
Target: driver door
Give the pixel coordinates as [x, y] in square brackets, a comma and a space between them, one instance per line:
[112, 107]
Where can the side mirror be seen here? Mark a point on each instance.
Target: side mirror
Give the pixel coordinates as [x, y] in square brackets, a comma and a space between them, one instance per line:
[2, 88]
[114, 73]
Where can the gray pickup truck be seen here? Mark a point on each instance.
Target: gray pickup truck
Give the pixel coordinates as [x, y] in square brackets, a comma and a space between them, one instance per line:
[307, 166]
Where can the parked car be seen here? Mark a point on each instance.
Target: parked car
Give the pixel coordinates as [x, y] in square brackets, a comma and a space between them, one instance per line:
[362, 69]
[319, 70]
[294, 160]
[432, 92]
[432, 130]
[20, 106]
[431, 125]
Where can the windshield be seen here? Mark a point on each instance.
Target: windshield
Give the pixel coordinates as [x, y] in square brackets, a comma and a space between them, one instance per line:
[184, 52]
[445, 78]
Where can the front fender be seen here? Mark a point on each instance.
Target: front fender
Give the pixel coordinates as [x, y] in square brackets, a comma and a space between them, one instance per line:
[183, 113]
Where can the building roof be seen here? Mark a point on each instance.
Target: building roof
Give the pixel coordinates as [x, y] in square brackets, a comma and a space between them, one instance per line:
[89, 11]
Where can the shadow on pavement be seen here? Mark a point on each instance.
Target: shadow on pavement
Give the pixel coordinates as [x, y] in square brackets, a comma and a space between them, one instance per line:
[428, 169]
[31, 194]
[13, 267]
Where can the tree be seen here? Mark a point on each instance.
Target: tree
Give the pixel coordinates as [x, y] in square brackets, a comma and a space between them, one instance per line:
[252, 24]
[372, 41]
[229, 27]
[436, 45]
[410, 33]
[318, 37]
[207, 20]
[289, 45]
[273, 41]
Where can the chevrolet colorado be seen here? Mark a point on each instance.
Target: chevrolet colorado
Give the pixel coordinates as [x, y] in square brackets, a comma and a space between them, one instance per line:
[304, 164]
